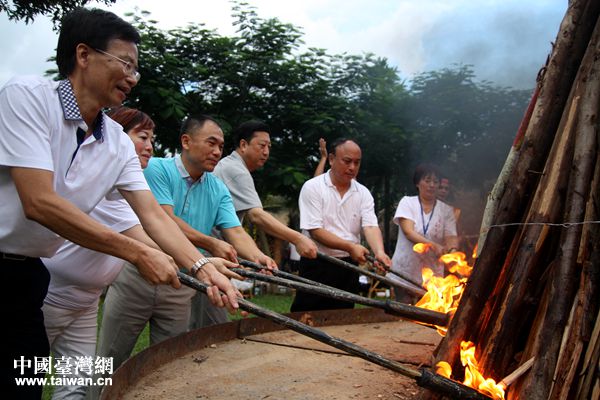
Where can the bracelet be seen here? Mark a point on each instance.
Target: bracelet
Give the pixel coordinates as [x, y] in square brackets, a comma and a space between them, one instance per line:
[198, 266]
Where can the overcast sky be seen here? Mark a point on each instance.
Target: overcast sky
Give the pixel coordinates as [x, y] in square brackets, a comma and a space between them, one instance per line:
[507, 41]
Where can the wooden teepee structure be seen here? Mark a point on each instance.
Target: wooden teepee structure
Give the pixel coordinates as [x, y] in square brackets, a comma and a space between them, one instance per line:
[535, 288]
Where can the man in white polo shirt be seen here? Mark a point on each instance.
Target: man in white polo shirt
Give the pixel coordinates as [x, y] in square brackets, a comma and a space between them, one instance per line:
[59, 156]
[334, 208]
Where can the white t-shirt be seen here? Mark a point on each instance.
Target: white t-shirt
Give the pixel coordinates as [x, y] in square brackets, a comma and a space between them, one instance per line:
[321, 206]
[77, 274]
[38, 126]
[439, 225]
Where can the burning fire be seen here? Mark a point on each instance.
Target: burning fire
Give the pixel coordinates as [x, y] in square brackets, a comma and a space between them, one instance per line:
[473, 378]
[421, 248]
[444, 369]
[444, 293]
[460, 264]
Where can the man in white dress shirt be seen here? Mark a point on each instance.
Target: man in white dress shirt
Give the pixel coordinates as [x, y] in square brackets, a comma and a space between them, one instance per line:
[334, 209]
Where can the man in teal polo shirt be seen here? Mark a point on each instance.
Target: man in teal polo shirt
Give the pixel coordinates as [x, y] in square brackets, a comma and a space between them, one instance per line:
[197, 201]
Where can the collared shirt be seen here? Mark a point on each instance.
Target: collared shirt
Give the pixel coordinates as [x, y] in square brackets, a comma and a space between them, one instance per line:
[321, 206]
[233, 171]
[39, 120]
[441, 224]
[77, 274]
[203, 204]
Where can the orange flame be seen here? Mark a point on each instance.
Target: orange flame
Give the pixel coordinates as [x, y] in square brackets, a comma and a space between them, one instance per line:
[474, 255]
[460, 264]
[473, 378]
[443, 294]
[422, 248]
[444, 369]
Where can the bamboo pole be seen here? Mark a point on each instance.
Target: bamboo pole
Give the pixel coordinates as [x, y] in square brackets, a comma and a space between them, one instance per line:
[245, 263]
[279, 273]
[393, 307]
[399, 274]
[392, 283]
[423, 377]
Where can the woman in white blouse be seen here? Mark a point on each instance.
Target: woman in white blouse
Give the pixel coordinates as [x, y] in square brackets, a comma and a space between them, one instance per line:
[422, 219]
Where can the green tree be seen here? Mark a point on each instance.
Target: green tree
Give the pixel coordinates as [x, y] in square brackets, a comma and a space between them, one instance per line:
[29, 10]
[259, 73]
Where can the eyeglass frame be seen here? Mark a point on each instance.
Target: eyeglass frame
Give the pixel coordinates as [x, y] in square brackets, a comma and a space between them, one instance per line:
[128, 66]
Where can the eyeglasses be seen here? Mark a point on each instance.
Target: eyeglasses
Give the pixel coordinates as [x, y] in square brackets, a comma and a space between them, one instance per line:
[128, 66]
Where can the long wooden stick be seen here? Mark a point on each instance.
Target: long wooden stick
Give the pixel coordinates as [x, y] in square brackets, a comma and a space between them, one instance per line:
[392, 283]
[423, 377]
[400, 309]
[278, 272]
[513, 376]
[407, 278]
[245, 263]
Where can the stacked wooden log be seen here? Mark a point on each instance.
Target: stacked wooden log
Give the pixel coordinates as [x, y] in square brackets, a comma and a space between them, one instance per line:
[535, 288]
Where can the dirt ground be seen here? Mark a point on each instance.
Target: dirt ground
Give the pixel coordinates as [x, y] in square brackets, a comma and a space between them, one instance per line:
[287, 365]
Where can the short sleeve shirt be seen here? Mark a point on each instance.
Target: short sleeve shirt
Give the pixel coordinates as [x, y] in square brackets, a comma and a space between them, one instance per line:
[439, 223]
[233, 172]
[39, 126]
[203, 204]
[321, 206]
[78, 274]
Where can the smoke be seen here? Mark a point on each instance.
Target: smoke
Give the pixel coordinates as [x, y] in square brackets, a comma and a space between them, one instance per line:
[507, 44]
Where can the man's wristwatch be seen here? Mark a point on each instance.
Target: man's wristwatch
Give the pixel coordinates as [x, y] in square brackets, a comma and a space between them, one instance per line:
[198, 266]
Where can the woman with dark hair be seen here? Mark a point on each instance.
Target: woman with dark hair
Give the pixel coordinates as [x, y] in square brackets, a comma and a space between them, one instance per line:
[422, 219]
[78, 275]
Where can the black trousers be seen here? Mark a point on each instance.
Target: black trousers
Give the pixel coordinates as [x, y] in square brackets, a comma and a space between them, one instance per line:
[329, 274]
[25, 284]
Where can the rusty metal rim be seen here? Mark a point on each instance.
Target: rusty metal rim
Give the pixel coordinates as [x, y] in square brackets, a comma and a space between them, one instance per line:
[145, 362]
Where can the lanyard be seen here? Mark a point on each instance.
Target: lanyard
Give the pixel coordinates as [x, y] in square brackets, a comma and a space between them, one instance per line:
[426, 227]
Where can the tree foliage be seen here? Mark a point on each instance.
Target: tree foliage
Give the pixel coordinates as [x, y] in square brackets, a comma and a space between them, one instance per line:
[261, 73]
[29, 10]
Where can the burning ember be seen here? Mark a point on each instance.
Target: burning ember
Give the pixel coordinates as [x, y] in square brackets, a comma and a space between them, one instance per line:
[473, 378]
